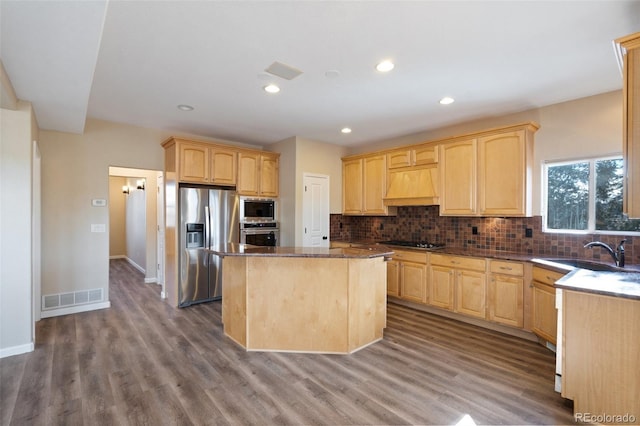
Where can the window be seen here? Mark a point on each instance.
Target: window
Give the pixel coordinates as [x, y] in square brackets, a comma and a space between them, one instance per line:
[586, 195]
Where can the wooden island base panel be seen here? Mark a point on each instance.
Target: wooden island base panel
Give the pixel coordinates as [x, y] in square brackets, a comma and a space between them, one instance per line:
[303, 299]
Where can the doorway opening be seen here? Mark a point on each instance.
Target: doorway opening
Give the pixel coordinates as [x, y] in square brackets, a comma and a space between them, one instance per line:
[136, 219]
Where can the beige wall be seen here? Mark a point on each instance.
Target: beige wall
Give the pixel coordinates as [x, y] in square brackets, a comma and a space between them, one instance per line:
[18, 130]
[319, 158]
[75, 170]
[117, 229]
[581, 128]
[287, 199]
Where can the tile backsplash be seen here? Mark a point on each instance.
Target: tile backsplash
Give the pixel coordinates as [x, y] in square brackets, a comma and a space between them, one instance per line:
[423, 223]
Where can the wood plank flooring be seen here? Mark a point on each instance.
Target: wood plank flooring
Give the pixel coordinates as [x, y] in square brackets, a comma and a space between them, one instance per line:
[143, 362]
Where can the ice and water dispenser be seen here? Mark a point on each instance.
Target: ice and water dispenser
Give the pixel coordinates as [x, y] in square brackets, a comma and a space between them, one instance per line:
[195, 235]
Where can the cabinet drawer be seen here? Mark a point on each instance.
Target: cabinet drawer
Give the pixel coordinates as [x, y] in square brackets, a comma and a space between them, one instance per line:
[458, 262]
[507, 268]
[545, 276]
[409, 256]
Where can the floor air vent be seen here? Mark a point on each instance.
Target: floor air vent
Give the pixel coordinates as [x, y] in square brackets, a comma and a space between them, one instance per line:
[63, 300]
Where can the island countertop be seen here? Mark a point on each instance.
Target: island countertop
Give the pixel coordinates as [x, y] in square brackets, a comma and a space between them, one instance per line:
[616, 284]
[233, 249]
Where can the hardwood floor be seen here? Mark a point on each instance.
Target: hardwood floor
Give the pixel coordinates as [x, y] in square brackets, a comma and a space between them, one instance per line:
[143, 362]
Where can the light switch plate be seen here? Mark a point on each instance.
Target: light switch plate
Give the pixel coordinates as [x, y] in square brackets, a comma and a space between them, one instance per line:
[98, 227]
[98, 202]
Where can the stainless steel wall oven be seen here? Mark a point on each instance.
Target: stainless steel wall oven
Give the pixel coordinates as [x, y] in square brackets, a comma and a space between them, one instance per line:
[260, 234]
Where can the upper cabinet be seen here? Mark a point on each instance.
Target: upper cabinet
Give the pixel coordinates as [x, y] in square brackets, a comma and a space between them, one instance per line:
[412, 176]
[488, 175]
[254, 172]
[364, 185]
[258, 173]
[629, 55]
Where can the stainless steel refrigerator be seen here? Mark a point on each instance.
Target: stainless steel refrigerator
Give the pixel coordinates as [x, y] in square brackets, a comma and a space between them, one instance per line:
[208, 216]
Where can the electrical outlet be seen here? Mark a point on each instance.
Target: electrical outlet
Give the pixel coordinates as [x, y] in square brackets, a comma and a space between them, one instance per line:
[528, 233]
[474, 230]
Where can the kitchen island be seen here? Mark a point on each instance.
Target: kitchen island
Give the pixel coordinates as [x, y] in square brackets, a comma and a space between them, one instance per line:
[295, 299]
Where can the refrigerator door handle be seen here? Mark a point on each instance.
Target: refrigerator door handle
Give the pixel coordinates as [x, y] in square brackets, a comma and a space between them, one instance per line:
[207, 227]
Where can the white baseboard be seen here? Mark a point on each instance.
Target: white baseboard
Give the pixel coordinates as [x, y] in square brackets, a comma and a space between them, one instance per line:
[16, 350]
[74, 309]
[135, 265]
[163, 295]
[152, 280]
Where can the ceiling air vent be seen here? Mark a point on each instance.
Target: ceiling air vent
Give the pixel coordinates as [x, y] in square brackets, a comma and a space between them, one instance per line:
[283, 70]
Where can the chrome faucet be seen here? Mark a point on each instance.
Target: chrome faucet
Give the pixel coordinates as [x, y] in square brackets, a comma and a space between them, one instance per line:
[618, 255]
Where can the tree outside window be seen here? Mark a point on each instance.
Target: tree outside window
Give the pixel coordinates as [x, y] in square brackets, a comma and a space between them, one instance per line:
[586, 195]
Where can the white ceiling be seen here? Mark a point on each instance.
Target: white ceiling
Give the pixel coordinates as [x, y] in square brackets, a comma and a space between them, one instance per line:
[135, 61]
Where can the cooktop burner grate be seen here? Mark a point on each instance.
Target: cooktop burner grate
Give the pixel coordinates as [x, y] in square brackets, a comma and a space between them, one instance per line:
[416, 244]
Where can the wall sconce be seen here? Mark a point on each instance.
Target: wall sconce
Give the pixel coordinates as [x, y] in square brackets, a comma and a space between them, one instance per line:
[140, 184]
[125, 189]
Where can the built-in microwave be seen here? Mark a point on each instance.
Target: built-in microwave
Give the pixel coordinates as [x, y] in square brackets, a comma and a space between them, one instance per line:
[258, 210]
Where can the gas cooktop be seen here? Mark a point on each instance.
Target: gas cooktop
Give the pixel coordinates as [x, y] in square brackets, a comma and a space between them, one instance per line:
[414, 244]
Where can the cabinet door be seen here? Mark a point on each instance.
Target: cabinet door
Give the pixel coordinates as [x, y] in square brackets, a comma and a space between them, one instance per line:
[631, 130]
[425, 155]
[413, 281]
[352, 186]
[248, 173]
[399, 158]
[224, 165]
[502, 174]
[269, 175]
[374, 184]
[545, 315]
[458, 171]
[506, 300]
[393, 278]
[194, 163]
[441, 287]
[471, 293]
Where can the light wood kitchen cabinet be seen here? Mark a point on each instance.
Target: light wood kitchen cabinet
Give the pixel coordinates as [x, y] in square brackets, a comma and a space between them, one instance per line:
[488, 175]
[412, 177]
[194, 162]
[506, 293]
[407, 275]
[600, 347]
[544, 314]
[628, 49]
[458, 171]
[459, 284]
[202, 162]
[504, 174]
[224, 165]
[364, 186]
[258, 173]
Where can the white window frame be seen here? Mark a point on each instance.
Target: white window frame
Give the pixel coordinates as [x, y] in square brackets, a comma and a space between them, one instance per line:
[591, 208]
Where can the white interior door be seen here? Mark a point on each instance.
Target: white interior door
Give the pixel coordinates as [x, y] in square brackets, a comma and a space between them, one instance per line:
[315, 211]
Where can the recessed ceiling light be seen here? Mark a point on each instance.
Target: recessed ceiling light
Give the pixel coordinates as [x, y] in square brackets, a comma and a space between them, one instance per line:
[385, 66]
[447, 100]
[183, 107]
[346, 130]
[271, 88]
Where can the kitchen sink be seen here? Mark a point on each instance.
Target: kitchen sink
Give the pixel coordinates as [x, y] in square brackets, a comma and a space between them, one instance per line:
[590, 265]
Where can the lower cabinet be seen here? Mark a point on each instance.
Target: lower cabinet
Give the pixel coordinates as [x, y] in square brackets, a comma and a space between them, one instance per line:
[506, 293]
[407, 276]
[544, 316]
[458, 284]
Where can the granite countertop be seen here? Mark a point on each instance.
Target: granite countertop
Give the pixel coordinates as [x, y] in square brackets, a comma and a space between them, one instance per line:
[617, 284]
[232, 249]
[623, 283]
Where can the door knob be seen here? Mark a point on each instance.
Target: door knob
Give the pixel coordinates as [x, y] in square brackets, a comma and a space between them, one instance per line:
[324, 238]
